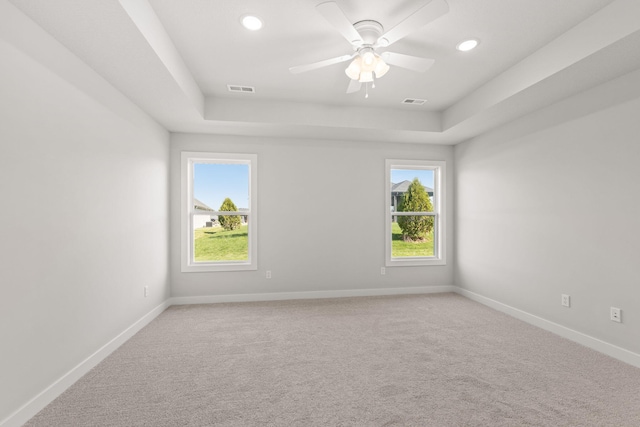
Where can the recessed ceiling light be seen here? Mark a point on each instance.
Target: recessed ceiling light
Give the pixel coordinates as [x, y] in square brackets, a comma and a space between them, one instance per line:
[251, 22]
[467, 45]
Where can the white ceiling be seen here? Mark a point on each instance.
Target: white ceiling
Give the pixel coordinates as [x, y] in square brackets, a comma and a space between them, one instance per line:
[175, 58]
[218, 50]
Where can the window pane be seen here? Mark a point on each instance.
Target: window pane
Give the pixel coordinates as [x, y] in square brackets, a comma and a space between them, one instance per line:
[220, 211]
[412, 236]
[412, 190]
[213, 183]
[213, 242]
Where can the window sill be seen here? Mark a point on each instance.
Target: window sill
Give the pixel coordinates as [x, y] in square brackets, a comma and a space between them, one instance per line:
[414, 262]
[205, 268]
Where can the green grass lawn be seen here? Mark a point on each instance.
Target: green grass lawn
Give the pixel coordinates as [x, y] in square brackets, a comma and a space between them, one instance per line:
[216, 244]
[400, 248]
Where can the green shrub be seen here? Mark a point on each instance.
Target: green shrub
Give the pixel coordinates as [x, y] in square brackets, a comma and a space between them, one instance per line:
[416, 199]
[229, 222]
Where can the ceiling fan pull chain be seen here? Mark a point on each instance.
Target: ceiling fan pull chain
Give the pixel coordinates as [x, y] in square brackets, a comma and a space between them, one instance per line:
[366, 90]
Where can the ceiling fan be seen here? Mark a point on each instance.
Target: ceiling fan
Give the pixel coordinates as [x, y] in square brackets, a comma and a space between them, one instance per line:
[368, 35]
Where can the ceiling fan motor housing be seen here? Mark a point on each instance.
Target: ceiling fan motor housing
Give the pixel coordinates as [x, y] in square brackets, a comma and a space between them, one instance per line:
[370, 31]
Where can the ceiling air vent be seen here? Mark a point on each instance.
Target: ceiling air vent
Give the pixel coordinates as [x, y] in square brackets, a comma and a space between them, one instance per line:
[414, 101]
[243, 89]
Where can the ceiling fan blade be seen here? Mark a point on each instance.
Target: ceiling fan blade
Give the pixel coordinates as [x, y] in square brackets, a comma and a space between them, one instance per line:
[427, 13]
[354, 86]
[302, 68]
[409, 62]
[336, 17]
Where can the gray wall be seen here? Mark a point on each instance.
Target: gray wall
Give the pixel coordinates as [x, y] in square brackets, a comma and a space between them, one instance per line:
[321, 223]
[84, 206]
[549, 205]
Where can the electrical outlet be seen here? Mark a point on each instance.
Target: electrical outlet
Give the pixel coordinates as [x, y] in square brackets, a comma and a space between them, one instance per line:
[383, 271]
[146, 291]
[566, 300]
[616, 314]
[268, 274]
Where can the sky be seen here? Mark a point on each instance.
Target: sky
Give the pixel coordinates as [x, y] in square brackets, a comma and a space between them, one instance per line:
[425, 176]
[213, 182]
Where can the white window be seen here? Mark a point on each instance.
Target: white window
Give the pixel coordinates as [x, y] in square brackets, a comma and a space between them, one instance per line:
[414, 218]
[219, 212]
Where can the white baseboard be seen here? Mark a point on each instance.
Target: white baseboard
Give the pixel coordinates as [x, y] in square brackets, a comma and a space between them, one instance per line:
[281, 296]
[23, 414]
[584, 339]
[31, 408]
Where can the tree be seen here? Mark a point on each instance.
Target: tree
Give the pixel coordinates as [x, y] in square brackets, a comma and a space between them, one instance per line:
[416, 199]
[229, 222]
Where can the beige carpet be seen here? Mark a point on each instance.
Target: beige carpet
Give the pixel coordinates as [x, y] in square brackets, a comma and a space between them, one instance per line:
[427, 360]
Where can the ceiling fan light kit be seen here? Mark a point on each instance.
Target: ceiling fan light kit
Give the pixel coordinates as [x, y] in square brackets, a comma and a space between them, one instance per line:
[365, 65]
[367, 35]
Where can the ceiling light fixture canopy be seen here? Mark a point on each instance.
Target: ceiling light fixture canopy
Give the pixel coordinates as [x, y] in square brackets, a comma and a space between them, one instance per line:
[365, 65]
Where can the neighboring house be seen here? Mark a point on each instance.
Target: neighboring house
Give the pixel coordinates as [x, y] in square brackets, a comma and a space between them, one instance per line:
[209, 220]
[243, 217]
[397, 190]
[202, 220]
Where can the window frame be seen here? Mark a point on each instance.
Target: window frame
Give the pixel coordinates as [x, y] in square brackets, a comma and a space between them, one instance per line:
[439, 203]
[188, 210]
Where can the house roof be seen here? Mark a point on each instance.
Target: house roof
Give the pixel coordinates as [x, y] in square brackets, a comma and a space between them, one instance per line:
[403, 186]
[199, 205]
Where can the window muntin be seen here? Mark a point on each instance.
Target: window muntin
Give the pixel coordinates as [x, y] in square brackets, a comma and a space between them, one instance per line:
[414, 229]
[218, 235]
